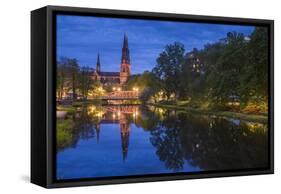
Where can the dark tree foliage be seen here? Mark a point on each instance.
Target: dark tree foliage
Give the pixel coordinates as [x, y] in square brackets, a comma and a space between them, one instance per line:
[147, 83]
[254, 79]
[72, 78]
[168, 68]
[234, 69]
[86, 82]
[67, 75]
[224, 77]
[61, 79]
[192, 77]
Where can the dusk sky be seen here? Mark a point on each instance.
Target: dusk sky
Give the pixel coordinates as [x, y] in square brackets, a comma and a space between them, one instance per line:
[84, 37]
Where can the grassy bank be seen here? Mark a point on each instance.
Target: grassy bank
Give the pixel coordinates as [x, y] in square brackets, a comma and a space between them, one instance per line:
[236, 115]
[67, 108]
[64, 135]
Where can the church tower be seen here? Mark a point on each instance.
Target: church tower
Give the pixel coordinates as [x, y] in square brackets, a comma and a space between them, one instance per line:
[125, 67]
[98, 64]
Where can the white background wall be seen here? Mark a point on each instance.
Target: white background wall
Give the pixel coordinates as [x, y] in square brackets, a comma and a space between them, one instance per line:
[15, 95]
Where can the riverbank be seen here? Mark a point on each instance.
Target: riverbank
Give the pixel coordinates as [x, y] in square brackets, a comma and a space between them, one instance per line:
[235, 115]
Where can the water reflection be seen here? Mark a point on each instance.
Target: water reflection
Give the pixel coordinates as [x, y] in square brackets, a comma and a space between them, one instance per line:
[162, 141]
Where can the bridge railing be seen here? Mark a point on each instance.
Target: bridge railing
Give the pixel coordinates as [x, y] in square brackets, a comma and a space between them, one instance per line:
[121, 95]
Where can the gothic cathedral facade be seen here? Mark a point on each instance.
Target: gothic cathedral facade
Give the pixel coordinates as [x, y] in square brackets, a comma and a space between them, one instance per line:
[116, 77]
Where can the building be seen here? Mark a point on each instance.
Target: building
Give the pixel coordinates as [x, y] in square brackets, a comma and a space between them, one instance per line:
[195, 63]
[116, 77]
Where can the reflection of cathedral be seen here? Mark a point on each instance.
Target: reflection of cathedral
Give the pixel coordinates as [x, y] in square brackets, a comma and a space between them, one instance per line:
[116, 77]
[125, 135]
[121, 115]
[97, 127]
[124, 132]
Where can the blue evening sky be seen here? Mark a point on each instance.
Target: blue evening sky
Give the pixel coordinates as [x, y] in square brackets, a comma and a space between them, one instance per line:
[83, 37]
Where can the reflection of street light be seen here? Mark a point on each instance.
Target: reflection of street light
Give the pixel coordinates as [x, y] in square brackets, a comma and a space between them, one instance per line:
[160, 110]
[100, 114]
[119, 89]
[113, 88]
[135, 89]
[100, 89]
[135, 114]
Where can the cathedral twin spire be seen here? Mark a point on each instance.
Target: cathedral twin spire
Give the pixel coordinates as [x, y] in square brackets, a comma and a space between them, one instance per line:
[125, 67]
[125, 51]
[98, 64]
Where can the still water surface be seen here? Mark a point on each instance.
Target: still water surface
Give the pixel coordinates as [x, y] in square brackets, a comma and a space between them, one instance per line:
[133, 140]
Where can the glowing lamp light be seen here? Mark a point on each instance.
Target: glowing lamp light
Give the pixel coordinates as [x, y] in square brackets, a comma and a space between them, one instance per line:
[161, 110]
[99, 114]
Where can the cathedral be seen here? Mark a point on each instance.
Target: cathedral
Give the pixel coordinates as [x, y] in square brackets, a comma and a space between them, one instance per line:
[116, 77]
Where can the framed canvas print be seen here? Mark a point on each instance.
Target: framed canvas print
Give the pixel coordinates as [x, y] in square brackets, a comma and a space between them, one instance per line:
[125, 96]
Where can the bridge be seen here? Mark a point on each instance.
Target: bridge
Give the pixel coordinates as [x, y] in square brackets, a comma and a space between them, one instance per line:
[121, 95]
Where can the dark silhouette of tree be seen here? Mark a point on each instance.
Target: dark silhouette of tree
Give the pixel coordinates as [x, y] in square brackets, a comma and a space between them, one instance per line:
[168, 67]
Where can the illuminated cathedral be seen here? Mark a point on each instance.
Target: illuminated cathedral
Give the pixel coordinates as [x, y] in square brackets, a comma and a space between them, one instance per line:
[116, 77]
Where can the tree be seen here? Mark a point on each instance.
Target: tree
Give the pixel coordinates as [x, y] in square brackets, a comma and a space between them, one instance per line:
[86, 83]
[224, 76]
[254, 80]
[168, 68]
[61, 79]
[148, 85]
[72, 70]
[192, 77]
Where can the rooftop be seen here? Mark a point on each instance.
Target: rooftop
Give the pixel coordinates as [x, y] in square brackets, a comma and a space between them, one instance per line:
[102, 73]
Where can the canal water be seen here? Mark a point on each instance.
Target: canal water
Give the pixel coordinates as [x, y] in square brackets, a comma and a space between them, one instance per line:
[133, 140]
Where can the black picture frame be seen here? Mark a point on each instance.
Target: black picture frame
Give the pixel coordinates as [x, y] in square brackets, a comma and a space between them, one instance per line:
[43, 71]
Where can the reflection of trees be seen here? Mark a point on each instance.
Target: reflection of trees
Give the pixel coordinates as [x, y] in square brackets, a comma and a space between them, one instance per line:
[204, 141]
[167, 142]
[85, 126]
[214, 144]
[148, 119]
[209, 143]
